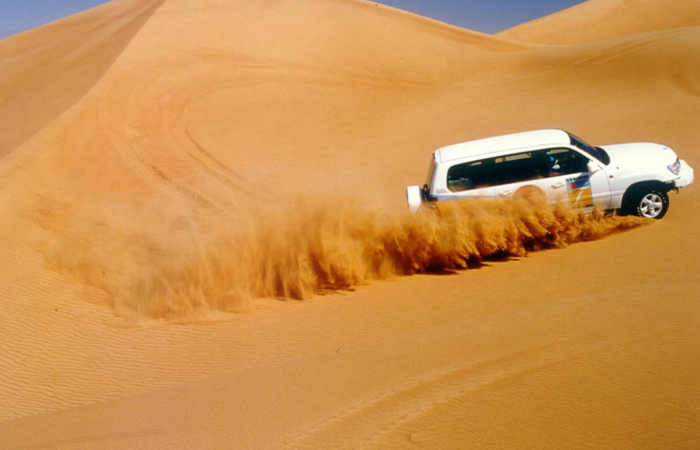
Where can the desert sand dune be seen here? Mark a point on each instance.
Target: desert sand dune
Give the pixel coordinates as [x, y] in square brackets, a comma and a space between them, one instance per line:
[220, 154]
[604, 19]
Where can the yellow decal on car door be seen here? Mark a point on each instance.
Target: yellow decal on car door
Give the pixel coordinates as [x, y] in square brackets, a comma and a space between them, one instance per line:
[580, 193]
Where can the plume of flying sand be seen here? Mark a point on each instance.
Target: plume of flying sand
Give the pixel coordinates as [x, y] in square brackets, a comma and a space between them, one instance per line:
[312, 249]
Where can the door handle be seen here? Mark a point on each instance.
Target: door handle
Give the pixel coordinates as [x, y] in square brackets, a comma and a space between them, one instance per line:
[558, 185]
[505, 193]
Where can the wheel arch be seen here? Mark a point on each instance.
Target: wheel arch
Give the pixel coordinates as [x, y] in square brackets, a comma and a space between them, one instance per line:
[640, 186]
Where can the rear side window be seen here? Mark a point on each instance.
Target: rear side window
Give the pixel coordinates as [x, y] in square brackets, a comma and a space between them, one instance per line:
[471, 175]
[492, 172]
[516, 168]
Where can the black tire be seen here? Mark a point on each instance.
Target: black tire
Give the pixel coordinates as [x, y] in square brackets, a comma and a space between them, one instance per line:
[651, 203]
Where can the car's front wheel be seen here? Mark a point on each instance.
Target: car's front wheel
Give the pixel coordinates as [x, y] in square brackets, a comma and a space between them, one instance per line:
[652, 204]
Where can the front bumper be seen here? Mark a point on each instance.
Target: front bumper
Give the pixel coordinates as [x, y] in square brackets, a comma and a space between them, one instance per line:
[685, 177]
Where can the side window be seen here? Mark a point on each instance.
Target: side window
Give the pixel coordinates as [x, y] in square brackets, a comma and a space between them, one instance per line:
[563, 161]
[517, 168]
[471, 175]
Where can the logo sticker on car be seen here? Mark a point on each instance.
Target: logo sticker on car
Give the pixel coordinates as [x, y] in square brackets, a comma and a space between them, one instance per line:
[580, 193]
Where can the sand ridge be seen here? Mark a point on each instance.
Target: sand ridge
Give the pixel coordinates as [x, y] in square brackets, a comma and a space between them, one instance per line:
[606, 19]
[200, 112]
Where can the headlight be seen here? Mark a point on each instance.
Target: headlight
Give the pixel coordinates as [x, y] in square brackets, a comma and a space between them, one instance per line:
[675, 168]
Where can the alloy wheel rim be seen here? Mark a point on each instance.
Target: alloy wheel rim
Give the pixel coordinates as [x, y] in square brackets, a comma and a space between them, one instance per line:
[651, 205]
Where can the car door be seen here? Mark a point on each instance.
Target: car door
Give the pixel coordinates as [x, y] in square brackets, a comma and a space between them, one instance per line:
[570, 180]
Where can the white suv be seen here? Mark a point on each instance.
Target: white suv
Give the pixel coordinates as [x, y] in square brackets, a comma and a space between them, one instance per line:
[556, 166]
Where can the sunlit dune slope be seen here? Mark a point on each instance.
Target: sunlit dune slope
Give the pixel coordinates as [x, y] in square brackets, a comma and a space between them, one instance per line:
[48, 69]
[604, 19]
[216, 150]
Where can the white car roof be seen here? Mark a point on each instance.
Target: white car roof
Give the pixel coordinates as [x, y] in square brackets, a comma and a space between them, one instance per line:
[502, 144]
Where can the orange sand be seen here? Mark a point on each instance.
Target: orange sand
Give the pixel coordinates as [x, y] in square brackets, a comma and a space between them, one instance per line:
[164, 162]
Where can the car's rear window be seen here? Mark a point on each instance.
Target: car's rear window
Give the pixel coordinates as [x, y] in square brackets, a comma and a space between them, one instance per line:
[492, 172]
[471, 175]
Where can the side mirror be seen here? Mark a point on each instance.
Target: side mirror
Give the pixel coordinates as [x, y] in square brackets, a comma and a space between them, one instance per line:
[593, 167]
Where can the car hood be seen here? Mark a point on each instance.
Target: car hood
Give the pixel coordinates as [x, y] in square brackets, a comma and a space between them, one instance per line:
[641, 155]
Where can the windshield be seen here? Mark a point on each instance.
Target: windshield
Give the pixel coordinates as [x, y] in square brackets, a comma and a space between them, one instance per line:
[597, 153]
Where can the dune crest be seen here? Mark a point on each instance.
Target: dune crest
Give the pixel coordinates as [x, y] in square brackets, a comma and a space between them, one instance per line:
[596, 20]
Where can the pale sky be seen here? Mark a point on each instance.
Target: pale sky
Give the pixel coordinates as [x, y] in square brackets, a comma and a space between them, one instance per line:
[487, 16]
